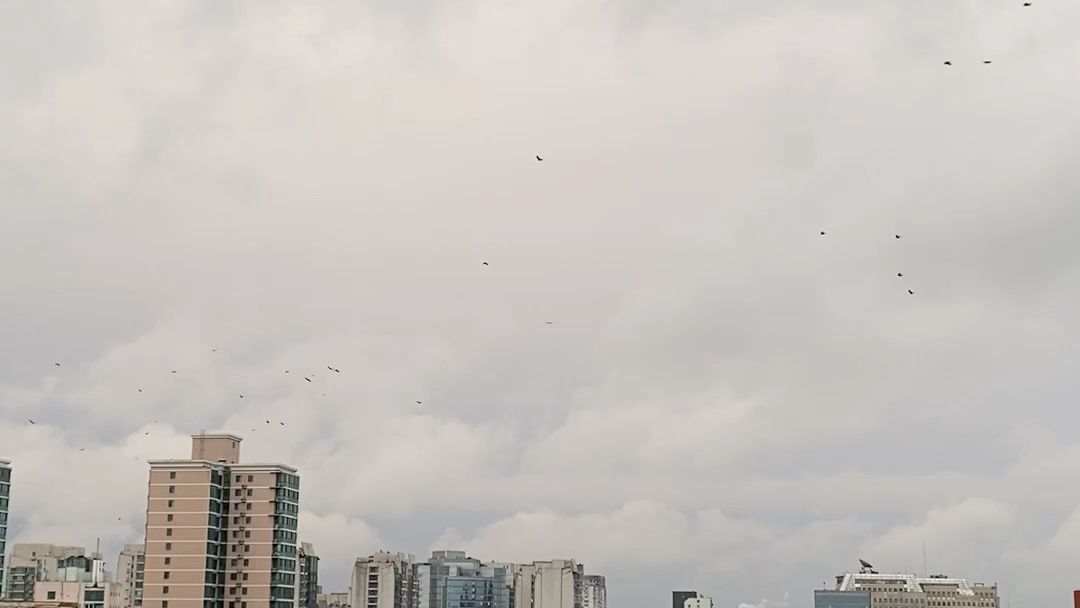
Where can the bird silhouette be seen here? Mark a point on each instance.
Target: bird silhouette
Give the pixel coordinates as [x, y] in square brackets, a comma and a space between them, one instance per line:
[822, 233]
[548, 322]
[418, 403]
[948, 63]
[485, 264]
[911, 292]
[174, 371]
[308, 379]
[336, 371]
[56, 364]
[82, 449]
[140, 390]
[31, 421]
[897, 236]
[1027, 4]
[267, 422]
[286, 371]
[282, 424]
[986, 62]
[899, 274]
[241, 396]
[538, 157]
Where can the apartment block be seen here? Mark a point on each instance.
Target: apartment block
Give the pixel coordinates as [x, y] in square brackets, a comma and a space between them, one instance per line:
[220, 532]
[593, 591]
[130, 568]
[5, 492]
[308, 577]
[549, 584]
[384, 580]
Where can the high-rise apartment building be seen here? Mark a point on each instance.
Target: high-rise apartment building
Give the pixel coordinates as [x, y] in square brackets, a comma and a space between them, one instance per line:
[384, 580]
[219, 532]
[451, 579]
[5, 492]
[594, 591]
[308, 577]
[549, 584]
[130, 568]
[30, 563]
[908, 591]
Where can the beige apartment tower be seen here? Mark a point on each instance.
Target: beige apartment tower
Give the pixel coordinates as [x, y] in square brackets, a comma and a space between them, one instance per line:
[220, 534]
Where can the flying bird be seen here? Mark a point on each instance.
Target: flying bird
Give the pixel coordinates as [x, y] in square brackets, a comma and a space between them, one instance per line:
[82, 449]
[417, 403]
[899, 274]
[822, 233]
[897, 236]
[267, 422]
[538, 157]
[282, 424]
[548, 322]
[241, 396]
[485, 264]
[1027, 4]
[213, 350]
[58, 365]
[286, 371]
[911, 292]
[308, 379]
[140, 390]
[336, 371]
[986, 62]
[174, 371]
[31, 421]
[948, 63]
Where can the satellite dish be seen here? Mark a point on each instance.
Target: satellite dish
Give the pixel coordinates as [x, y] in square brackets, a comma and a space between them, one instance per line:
[865, 564]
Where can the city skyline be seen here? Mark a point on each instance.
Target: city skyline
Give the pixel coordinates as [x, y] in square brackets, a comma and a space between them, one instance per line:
[704, 294]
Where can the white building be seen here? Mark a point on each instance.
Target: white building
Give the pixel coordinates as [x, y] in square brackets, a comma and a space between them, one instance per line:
[94, 592]
[911, 591]
[383, 580]
[130, 565]
[593, 591]
[548, 584]
[32, 562]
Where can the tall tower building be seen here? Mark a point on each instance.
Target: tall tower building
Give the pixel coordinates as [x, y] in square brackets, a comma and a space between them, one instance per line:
[384, 580]
[218, 532]
[594, 591]
[130, 568]
[308, 582]
[5, 492]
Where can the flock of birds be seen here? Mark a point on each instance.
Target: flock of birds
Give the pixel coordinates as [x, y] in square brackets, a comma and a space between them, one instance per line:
[984, 61]
[899, 274]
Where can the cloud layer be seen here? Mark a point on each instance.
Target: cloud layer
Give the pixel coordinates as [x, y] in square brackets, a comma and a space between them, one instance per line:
[725, 399]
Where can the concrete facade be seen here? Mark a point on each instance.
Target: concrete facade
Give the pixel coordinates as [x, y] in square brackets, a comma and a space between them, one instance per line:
[130, 568]
[33, 562]
[384, 580]
[5, 493]
[220, 533]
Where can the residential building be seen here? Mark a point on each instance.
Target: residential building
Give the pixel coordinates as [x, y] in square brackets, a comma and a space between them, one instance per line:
[1076, 598]
[690, 599]
[594, 591]
[308, 577]
[911, 591]
[451, 579]
[130, 569]
[219, 532]
[548, 584]
[5, 493]
[384, 580]
[33, 562]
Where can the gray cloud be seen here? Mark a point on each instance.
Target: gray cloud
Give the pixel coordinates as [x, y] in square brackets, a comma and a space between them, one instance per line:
[725, 400]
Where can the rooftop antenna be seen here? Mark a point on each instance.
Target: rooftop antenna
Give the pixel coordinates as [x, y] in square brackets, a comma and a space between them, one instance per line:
[925, 571]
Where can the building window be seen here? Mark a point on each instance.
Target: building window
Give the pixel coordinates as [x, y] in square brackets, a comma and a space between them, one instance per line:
[165, 590]
[172, 474]
[232, 562]
[168, 560]
[247, 533]
[249, 519]
[251, 478]
[238, 479]
[168, 546]
[249, 506]
[232, 577]
[245, 562]
[172, 489]
[170, 503]
[168, 531]
[243, 591]
[167, 575]
[164, 603]
[245, 576]
[168, 517]
[247, 548]
[250, 492]
[52, 595]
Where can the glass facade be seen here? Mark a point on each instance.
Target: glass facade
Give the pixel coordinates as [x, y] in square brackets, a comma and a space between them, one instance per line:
[5, 492]
[216, 541]
[283, 566]
[841, 599]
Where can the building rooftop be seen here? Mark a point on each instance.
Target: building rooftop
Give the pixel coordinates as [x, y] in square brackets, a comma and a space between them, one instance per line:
[242, 465]
[852, 581]
[217, 436]
[4, 463]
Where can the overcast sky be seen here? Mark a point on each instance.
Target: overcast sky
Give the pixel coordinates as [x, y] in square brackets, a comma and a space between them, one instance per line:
[725, 401]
